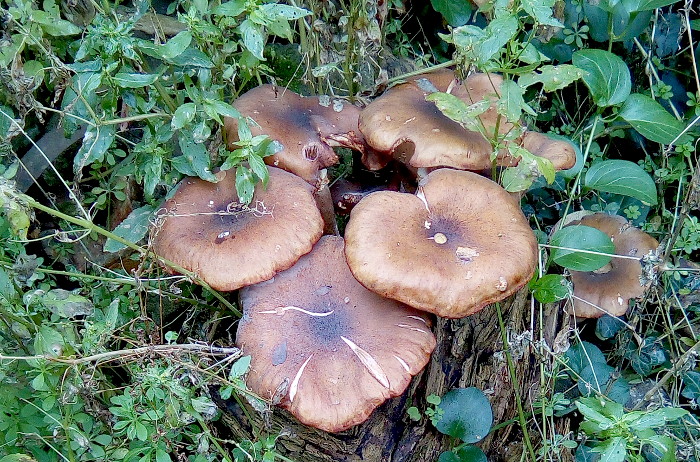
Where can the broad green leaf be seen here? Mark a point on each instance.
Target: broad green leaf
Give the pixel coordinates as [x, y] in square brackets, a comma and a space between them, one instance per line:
[162, 456]
[511, 104]
[53, 25]
[466, 453]
[253, 38]
[245, 184]
[131, 80]
[664, 445]
[606, 76]
[183, 115]
[96, 142]
[8, 293]
[594, 380]
[691, 388]
[192, 57]
[215, 108]
[621, 177]
[17, 458]
[467, 414]
[571, 239]
[643, 5]
[194, 160]
[232, 8]
[239, 368]
[695, 24]
[550, 288]
[612, 450]
[520, 177]
[498, 33]
[592, 408]
[607, 326]
[650, 119]
[133, 228]
[66, 304]
[542, 11]
[275, 11]
[175, 46]
[257, 165]
[459, 111]
[455, 12]
[48, 341]
[552, 77]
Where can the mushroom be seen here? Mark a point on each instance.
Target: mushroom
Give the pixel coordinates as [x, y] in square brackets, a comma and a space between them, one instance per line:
[205, 229]
[609, 289]
[304, 127]
[324, 347]
[457, 245]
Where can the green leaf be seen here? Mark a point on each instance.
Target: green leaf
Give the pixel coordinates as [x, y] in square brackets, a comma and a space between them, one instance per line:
[131, 80]
[259, 168]
[481, 45]
[53, 25]
[467, 414]
[183, 115]
[194, 160]
[651, 120]
[239, 368]
[552, 77]
[612, 450]
[66, 304]
[606, 76]
[691, 388]
[133, 228]
[511, 103]
[621, 177]
[232, 8]
[96, 142]
[175, 46]
[572, 239]
[276, 11]
[542, 11]
[550, 288]
[459, 111]
[643, 5]
[455, 12]
[245, 184]
[253, 38]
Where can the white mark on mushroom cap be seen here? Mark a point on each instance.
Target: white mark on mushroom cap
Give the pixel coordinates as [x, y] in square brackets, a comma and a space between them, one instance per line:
[282, 309]
[403, 363]
[620, 300]
[409, 327]
[295, 383]
[502, 284]
[439, 238]
[223, 235]
[421, 195]
[466, 254]
[409, 120]
[418, 318]
[369, 362]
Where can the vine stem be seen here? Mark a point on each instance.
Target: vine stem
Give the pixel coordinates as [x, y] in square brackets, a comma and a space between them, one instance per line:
[109, 355]
[514, 381]
[92, 227]
[398, 78]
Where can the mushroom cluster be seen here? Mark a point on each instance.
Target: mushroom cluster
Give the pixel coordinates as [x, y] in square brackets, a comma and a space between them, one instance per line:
[337, 326]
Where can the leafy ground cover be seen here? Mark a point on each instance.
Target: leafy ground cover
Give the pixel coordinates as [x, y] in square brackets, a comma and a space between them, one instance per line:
[107, 105]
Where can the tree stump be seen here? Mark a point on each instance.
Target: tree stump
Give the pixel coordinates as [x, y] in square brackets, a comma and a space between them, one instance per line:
[469, 352]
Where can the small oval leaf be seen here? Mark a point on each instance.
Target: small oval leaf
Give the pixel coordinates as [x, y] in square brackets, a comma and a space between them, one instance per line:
[622, 177]
[650, 119]
[571, 240]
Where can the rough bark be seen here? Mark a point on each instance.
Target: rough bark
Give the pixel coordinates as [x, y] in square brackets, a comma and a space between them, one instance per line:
[469, 353]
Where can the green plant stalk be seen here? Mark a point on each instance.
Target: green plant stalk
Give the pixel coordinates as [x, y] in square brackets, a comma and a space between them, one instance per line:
[401, 77]
[514, 381]
[134, 118]
[92, 227]
[585, 157]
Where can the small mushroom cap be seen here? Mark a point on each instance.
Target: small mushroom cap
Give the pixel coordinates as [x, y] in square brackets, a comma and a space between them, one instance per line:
[403, 125]
[305, 128]
[609, 289]
[205, 230]
[326, 348]
[465, 246]
[484, 86]
[559, 152]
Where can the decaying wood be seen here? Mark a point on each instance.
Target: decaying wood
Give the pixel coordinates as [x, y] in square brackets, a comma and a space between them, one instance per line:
[469, 353]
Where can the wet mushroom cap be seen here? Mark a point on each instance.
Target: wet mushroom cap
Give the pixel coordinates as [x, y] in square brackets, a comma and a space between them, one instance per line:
[206, 230]
[609, 289]
[559, 152]
[324, 347]
[304, 127]
[465, 246]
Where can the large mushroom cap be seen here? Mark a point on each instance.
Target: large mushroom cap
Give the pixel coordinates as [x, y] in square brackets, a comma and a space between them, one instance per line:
[205, 229]
[305, 128]
[467, 244]
[335, 349]
[609, 289]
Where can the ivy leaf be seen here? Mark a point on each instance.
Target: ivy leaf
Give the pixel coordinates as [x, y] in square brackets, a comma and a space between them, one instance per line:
[651, 120]
[606, 76]
[573, 239]
[550, 288]
[134, 80]
[96, 142]
[133, 228]
[552, 77]
[691, 388]
[622, 177]
[542, 11]
[467, 414]
[253, 38]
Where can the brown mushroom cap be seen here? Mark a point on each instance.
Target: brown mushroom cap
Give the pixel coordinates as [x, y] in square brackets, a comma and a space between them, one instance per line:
[609, 289]
[305, 128]
[331, 350]
[465, 246]
[402, 124]
[206, 231]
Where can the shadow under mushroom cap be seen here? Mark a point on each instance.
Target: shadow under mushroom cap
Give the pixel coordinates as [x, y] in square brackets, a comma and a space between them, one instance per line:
[332, 350]
[467, 244]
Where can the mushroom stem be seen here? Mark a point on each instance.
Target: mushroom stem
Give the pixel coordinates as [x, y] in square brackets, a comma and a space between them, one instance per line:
[324, 201]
